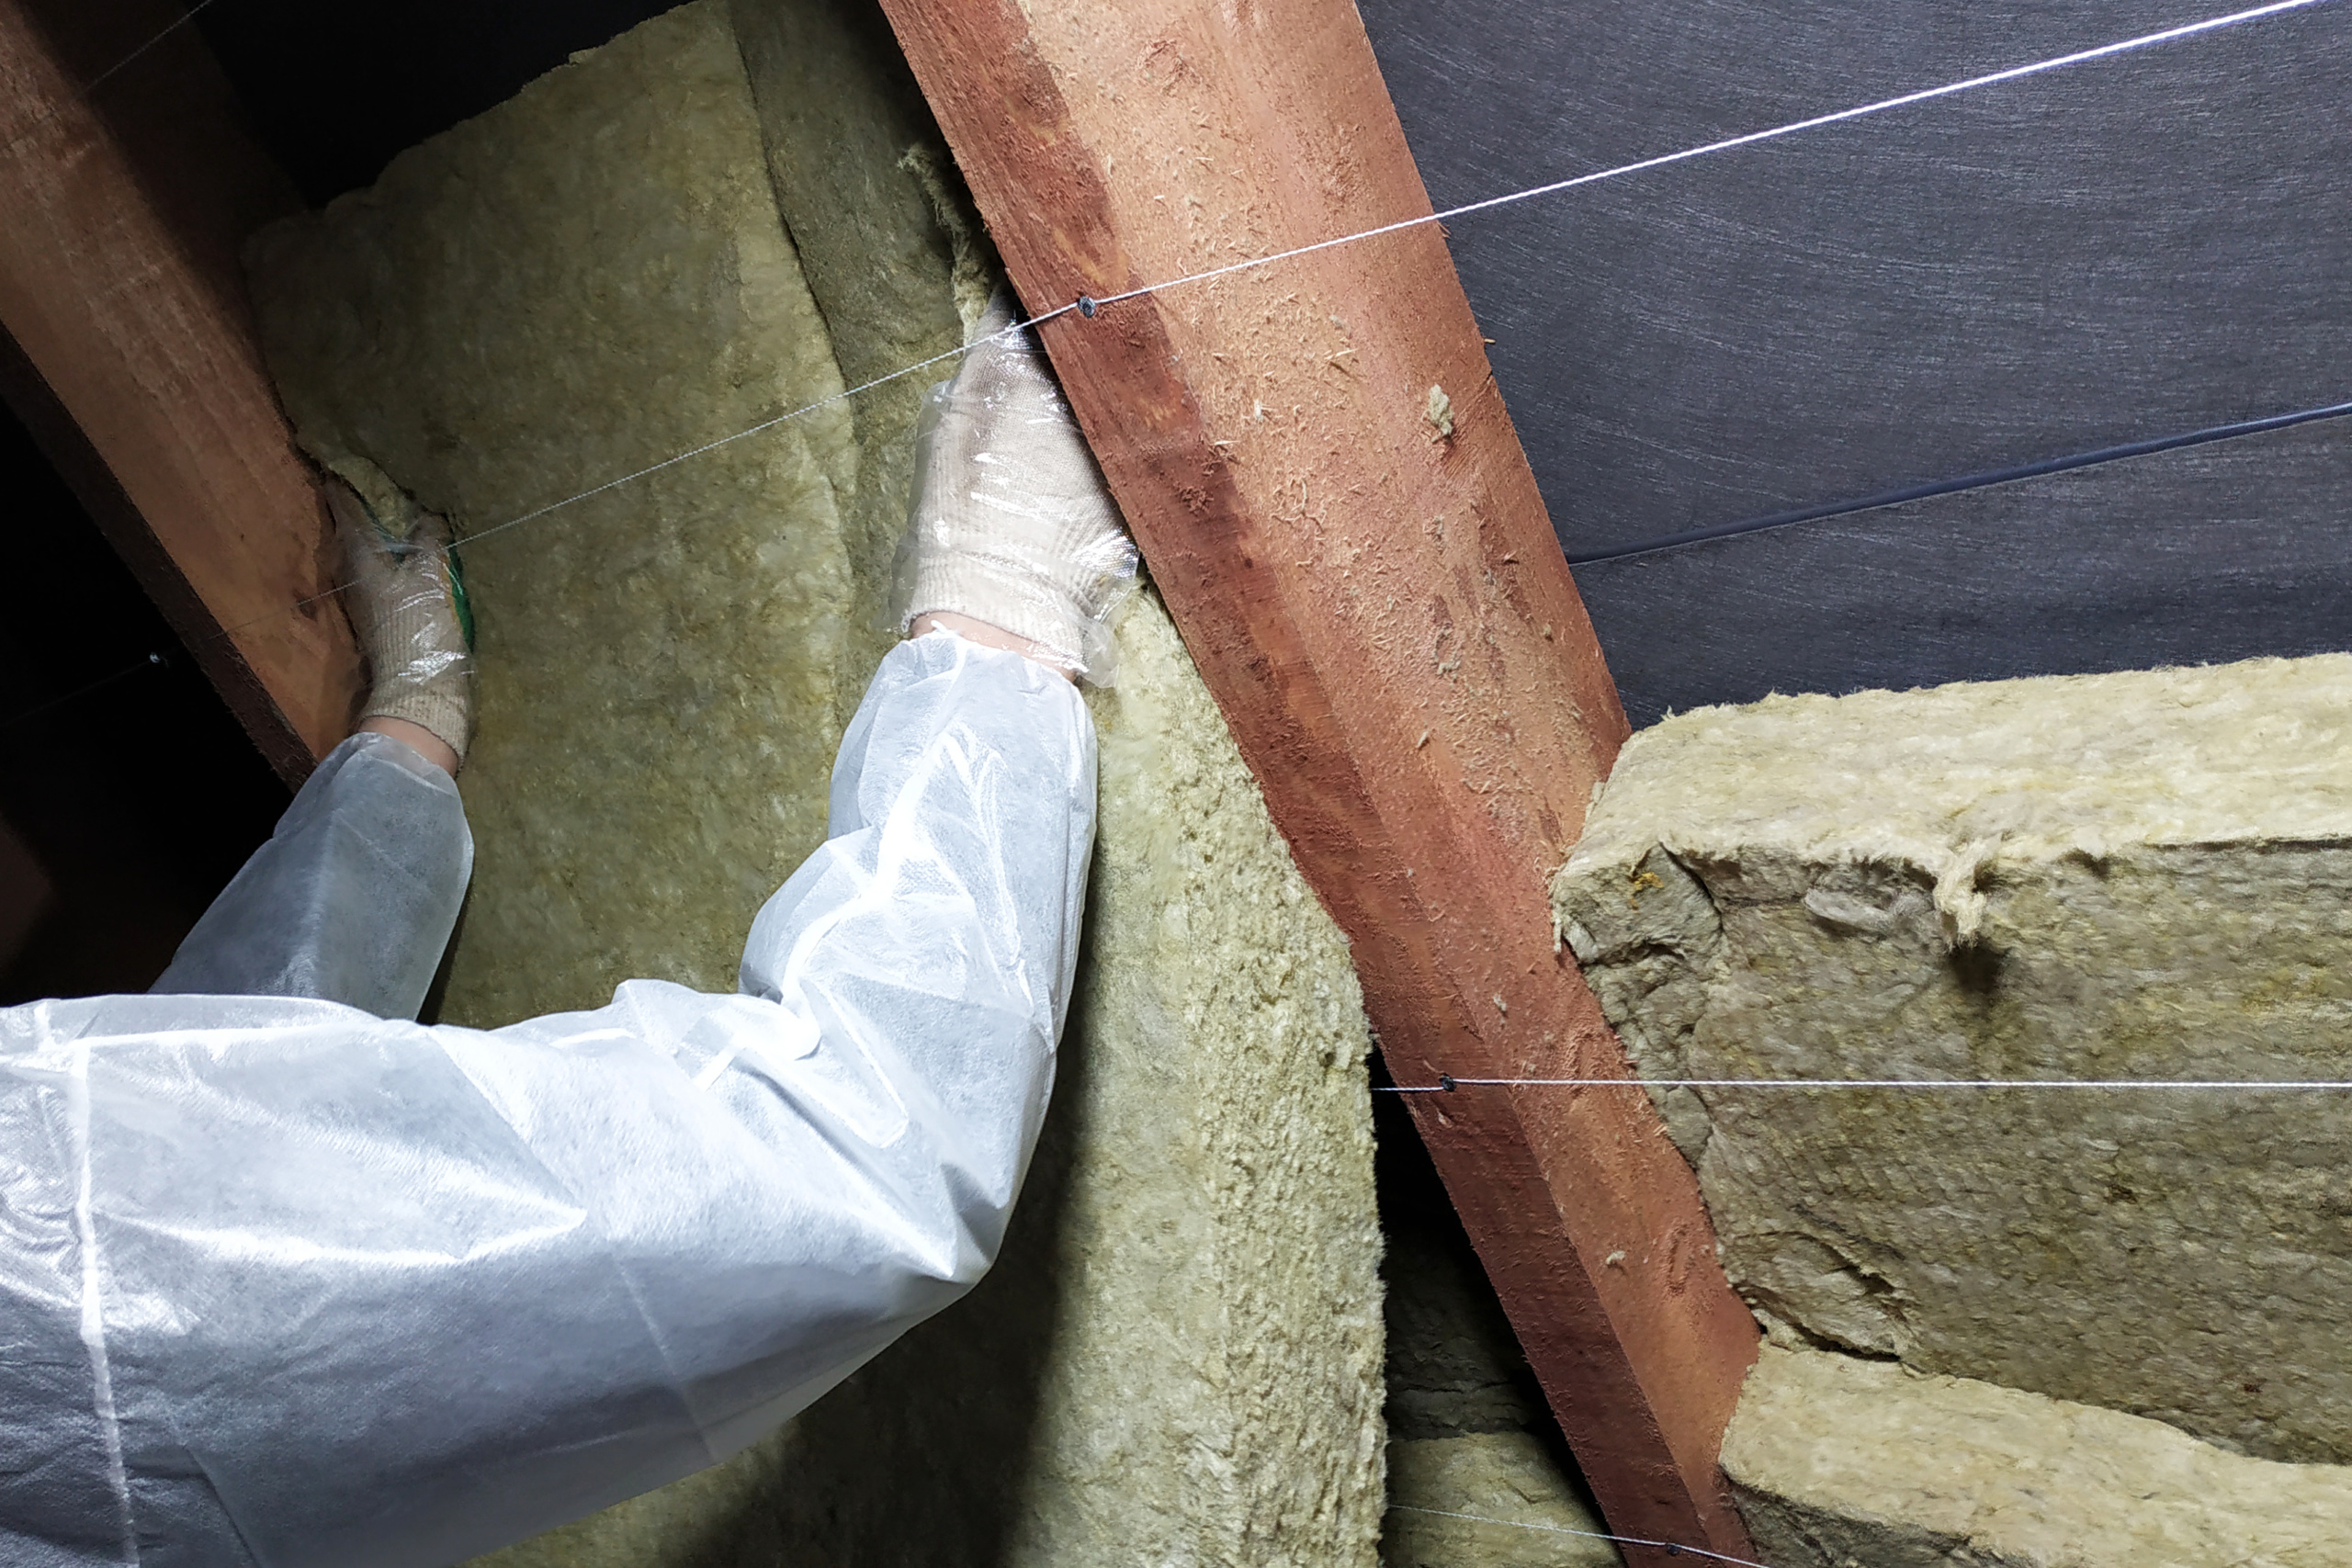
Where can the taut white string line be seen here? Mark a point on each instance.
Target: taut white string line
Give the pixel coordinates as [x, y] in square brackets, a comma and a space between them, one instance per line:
[2012, 74]
[1674, 1548]
[1447, 1084]
[672, 462]
[826, 401]
[1088, 306]
[102, 78]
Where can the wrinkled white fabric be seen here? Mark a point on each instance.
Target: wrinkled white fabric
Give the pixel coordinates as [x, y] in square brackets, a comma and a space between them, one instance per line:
[285, 1284]
[351, 900]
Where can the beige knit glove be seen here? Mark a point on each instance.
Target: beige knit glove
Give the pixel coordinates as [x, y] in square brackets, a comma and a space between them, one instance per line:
[407, 602]
[1011, 523]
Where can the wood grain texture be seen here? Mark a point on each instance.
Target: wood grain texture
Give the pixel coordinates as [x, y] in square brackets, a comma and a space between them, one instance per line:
[136, 367]
[1386, 620]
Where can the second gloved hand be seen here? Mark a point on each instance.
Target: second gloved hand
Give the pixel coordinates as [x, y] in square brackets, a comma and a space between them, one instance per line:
[1011, 523]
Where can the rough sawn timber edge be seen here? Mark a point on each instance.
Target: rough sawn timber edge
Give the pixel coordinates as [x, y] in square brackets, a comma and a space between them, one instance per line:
[135, 365]
[1424, 707]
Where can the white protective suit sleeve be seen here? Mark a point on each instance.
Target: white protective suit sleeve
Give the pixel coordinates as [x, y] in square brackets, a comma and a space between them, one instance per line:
[352, 896]
[285, 1284]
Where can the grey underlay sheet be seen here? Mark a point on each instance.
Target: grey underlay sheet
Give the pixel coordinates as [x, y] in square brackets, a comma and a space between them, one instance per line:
[2129, 249]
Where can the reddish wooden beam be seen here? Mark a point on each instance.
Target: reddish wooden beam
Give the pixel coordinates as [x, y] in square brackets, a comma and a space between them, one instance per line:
[130, 353]
[1383, 612]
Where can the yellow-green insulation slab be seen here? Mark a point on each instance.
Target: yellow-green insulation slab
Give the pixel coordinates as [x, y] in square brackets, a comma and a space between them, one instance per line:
[2129, 876]
[727, 214]
[1839, 1461]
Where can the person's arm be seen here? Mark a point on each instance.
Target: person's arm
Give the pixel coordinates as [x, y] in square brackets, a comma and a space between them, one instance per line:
[290, 1285]
[368, 1292]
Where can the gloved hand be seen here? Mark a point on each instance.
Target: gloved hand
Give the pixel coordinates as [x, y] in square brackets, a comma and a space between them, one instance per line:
[1011, 523]
[407, 602]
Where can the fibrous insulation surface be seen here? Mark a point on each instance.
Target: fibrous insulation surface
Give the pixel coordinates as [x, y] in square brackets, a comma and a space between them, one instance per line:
[2143, 876]
[566, 289]
[1487, 1500]
[1837, 1461]
[724, 215]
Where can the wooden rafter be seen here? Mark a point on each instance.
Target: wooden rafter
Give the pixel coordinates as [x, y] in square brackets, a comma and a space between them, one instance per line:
[1335, 506]
[127, 348]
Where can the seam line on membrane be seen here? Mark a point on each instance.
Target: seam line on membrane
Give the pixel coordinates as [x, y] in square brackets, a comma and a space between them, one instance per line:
[1961, 484]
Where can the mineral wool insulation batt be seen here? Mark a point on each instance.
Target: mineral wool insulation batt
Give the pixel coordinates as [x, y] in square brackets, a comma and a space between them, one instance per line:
[2143, 875]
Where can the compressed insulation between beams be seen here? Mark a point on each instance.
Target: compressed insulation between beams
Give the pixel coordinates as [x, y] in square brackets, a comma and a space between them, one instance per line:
[693, 228]
[2144, 875]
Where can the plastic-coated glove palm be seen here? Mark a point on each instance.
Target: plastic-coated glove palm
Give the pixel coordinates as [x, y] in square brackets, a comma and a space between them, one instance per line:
[407, 603]
[1011, 523]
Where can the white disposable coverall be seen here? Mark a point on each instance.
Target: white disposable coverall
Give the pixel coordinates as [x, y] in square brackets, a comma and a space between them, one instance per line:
[285, 1283]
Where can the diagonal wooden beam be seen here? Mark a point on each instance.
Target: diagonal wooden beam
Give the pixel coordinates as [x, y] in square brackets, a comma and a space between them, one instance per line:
[1366, 577]
[126, 347]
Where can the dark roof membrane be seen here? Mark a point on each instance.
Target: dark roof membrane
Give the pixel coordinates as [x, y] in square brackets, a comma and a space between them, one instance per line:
[2107, 256]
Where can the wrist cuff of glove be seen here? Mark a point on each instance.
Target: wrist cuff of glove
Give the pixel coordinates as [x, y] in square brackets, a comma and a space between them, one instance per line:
[1062, 634]
[447, 714]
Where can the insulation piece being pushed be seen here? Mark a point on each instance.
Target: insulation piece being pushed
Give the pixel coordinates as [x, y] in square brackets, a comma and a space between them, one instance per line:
[2128, 876]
